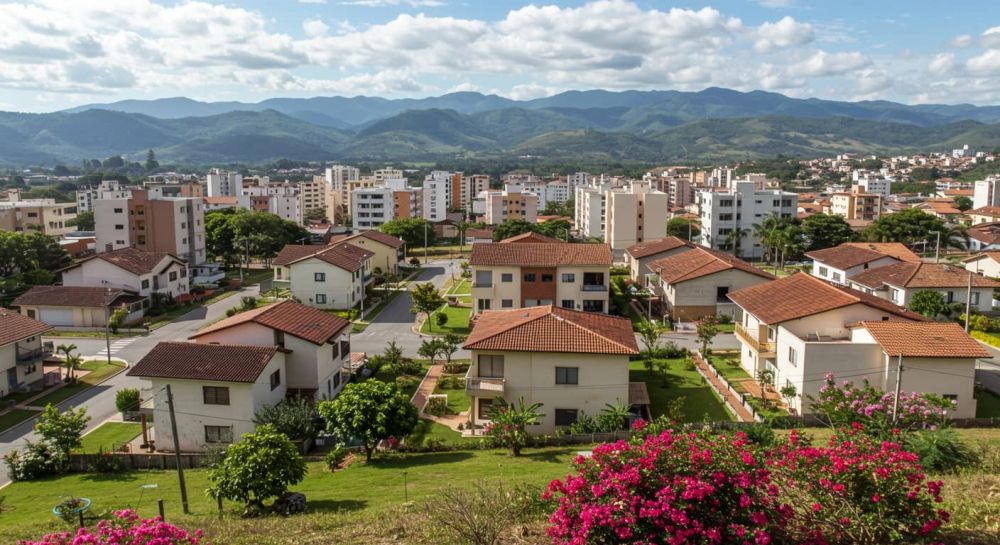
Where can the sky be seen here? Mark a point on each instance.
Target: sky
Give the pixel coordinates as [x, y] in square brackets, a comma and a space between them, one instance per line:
[55, 54]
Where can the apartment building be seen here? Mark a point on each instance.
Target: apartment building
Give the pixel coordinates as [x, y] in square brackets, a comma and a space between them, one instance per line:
[168, 225]
[108, 189]
[373, 206]
[985, 192]
[856, 205]
[39, 215]
[513, 203]
[737, 209]
[312, 195]
[279, 198]
[338, 178]
[622, 214]
[465, 189]
[572, 363]
[386, 174]
[801, 328]
[876, 186]
[515, 275]
[21, 351]
[222, 183]
[898, 282]
[439, 190]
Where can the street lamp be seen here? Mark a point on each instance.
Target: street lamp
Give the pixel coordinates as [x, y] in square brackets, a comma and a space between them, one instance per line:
[937, 246]
[107, 320]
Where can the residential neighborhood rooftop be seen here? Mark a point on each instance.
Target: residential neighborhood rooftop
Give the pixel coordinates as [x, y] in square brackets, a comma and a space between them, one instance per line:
[531, 237]
[380, 237]
[311, 324]
[846, 256]
[699, 262]
[922, 275]
[653, 247]
[925, 339]
[133, 260]
[985, 233]
[205, 362]
[81, 296]
[341, 254]
[540, 254]
[893, 249]
[15, 326]
[552, 329]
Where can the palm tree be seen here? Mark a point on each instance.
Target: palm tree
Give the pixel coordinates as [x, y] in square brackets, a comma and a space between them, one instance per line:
[67, 350]
[617, 413]
[72, 362]
[766, 231]
[734, 239]
[955, 236]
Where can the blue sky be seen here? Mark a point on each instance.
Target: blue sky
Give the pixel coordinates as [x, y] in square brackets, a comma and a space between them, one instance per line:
[59, 53]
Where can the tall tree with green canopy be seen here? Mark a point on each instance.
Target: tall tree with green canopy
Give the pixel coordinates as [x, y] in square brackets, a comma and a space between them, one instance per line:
[907, 227]
[683, 228]
[411, 230]
[826, 231]
[84, 221]
[511, 228]
[930, 303]
[426, 299]
[369, 411]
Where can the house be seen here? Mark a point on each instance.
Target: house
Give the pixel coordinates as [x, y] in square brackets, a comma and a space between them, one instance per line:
[515, 275]
[984, 236]
[79, 306]
[839, 263]
[898, 283]
[941, 208]
[696, 283]
[316, 344]
[894, 249]
[477, 236]
[332, 276]
[985, 264]
[797, 327]
[217, 389]
[638, 256]
[21, 351]
[984, 214]
[530, 237]
[571, 362]
[133, 270]
[387, 251]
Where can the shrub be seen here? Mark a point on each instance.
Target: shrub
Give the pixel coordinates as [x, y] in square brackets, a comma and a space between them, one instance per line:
[440, 319]
[760, 433]
[508, 425]
[260, 466]
[127, 399]
[940, 450]
[478, 516]
[62, 430]
[437, 406]
[35, 460]
[291, 416]
[370, 411]
[696, 488]
[725, 319]
[107, 463]
[124, 527]
[335, 457]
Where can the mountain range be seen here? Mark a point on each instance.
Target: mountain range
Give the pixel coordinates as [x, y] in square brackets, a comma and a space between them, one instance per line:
[709, 125]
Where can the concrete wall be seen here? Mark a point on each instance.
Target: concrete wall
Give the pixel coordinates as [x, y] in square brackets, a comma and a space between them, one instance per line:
[693, 299]
[342, 288]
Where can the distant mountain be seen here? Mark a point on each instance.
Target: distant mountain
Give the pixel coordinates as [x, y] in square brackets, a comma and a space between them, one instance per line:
[679, 106]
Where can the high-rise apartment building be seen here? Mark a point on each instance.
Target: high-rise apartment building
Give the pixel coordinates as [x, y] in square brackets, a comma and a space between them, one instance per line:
[513, 203]
[438, 195]
[373, 206]
[878, 186]
[738, 209]
[621, 214]
[338, 179]
[856, 205]
[985, 192]
[313, 195]
[279, 198]
[164, 224]
[108, 189]
[221, 183]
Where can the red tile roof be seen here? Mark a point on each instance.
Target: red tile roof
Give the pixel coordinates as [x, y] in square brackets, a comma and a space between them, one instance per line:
[986, 233]
[845, 256]
[340, 254]
[993, 211]
[293, 318]
[531, 237]
[801, 295]
[893, 249]
[133, 260]
[207, 362]
[294, 252]
[552, 329]
[925, 340]
[380, 237]
[539, 254]
[221, 200]
[922, 275]
[14, 327]
[700, 262]
[73, 296]
[653, 247]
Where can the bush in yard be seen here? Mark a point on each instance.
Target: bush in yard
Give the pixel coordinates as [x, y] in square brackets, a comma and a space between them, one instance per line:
[292, 416]
[62, 430]
[262, 465]
[369, 411]
[127, 399]
[437, 406]
[440, 319]
[106, 462]
[37, 459]
[940, 450]
[508, 427]
[667, 488]
[125, 527]
[856, 490]
[478, 516]
[335, 457]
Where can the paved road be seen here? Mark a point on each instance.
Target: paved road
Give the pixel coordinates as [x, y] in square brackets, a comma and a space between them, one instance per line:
[100, 400]
[988, 370]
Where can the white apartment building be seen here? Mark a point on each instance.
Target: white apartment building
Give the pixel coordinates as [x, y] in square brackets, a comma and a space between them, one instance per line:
[438, 191]
[985, 192]
[588, 211]
[373, 206]
[149, 222]
[513, 203]
[740, 208]
[338, 178]
[222, 183]
[622, 215]
[280, 199]
[876, 186]
[108, 189]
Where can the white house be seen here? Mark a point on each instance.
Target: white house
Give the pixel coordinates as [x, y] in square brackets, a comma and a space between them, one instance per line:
[639, 255]
[899, 282]
[840, 263]
[131, 269]
[331, 276]
[217, 389]
[316, 344]
[21, 351]
[79, 306]
[985, 264]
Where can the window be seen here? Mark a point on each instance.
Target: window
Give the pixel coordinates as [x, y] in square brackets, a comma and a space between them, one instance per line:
[529, 277]
[173, 276]
[320, 298]
[546, 277]
[591, 305]
[485, 406]
[319, 277]
[119, 227]
[118, 211]
[215, 395]
[567, 375]
[949, 297]
[484, 279]
[793, 356]
[721, 294]
[490, 366]
[336, 350]
[567, 303]
[975, 298]
[276, 379]
[482, 304]
[823, 271]
[568, 277]
[218, 434]
[836, 277]
[894, 293]
[566, 417]
[31, 313]
[279, 338]
[507, 303]
[507, 277]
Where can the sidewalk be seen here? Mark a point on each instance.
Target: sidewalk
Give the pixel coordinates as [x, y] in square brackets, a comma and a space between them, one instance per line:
[424, 391]
[732, 400]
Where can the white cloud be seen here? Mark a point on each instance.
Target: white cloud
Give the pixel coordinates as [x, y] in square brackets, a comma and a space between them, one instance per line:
[314, 28]
[991, 38]
[962, 40]
[393, 3]
[786, 32]
[319, 2]
[943, 63]
[987, 64]
[776, 3]
[830, 64]
[872, 83]
[529, 91]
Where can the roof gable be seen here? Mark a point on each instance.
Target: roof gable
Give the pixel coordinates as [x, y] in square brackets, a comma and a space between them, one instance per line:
[15, 326]
[540, 254]
[925, 340]
[207, 362]
[530, 237]
[308, 323]
[552, 329]
[700, 262]
[653, 247]
[846, 256]
[922, 275]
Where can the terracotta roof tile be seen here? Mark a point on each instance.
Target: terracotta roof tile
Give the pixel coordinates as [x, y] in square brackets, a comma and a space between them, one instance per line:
[700, 262]
[845, 256]
[531, 237]
[14, 326]
[993, 211]
[340, 254]
[479, 233]
[294, 252]
[653, 247]
[293, 318]
[133, 260]
[921, 275]
[987, 233]
[540, 254]
[73, 296]
[801, 295]
[208, 362]
[893, 249]
[380, 237]
[925, 340]
[549, 329]
[223, 199]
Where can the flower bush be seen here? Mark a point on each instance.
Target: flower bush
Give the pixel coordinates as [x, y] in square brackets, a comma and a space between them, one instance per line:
[508, 427]
[37, 459]
[668, 488]
[125, 528]
[855, 491]
[869, 410]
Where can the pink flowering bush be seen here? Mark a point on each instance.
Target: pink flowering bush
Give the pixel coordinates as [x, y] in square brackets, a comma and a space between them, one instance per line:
[508, 427]
[865, 408]
[855, 491]
[669, 488]
[126, 528]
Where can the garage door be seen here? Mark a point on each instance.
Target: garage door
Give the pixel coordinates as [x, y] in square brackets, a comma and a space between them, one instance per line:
[57, 316]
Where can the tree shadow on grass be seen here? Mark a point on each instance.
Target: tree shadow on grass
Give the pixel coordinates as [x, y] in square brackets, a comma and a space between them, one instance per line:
[122, 476]
[549, 455]
[331, 506]
[419, 460]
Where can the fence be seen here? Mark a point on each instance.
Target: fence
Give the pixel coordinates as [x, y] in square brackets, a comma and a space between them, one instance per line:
[725, 399]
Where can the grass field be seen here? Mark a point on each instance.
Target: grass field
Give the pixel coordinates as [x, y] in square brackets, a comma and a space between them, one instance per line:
[700, 399]
[458, 402]
[458, 321]
[730, 369]
[109, 435]
[427, 429]
[99, 370]
[407, 383]
[14, 418]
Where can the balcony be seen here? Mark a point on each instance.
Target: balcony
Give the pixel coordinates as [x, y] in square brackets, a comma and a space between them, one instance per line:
[486, 285]
[593, 287]
[27, 356]
[483, 386]
[761, 345]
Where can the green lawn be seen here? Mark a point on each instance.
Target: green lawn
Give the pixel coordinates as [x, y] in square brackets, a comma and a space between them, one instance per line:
[458, 321]
[458, 402]
[987, 404]
[14, 418]
[407, 383]
[729, 368]
[700, 399]
[427, 429]
[109, 435]
[99, 370]
[360, 489]
[727, 328]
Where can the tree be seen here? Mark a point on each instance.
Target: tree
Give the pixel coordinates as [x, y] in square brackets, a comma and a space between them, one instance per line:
[734, 240]
[117, 319]
[232, 234]
[84, 221]
[766, 378]
[511, 228]
[963, 203]
[151, 163]
[13, 253]
[262, 465]
[930, 303]
[649, 334]
[826, 231]
[46, 253]
[429, 348]
[440, 319]
[369, 411]
[291, 416]
[67, 351]
[683, 228]
[707, 329]
[411, 231]
[450, 344]
[314, 214]
[908, 227]
[62, 430]
[426, 299]
[509, 423]
[127, 399]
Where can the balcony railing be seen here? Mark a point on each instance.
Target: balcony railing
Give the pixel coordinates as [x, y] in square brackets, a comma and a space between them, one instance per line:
[482, 284]
[29, 356]
[594, 287]
[762, 346]
[483, 386]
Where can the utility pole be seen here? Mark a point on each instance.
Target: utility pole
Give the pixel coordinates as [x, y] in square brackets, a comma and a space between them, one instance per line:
[177, 451]
[107, 322]
[968, 302]
[425, 242]
[899, 382]
[937, 247]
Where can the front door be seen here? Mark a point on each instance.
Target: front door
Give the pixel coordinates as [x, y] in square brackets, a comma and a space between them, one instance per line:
[12, 378]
